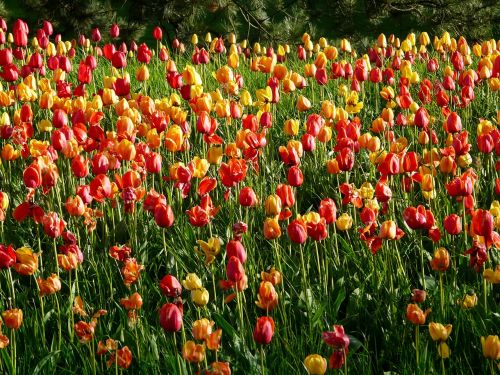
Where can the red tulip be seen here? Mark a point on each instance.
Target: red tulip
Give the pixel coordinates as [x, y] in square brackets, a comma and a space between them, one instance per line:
[32, 176]
[96, 35]
[7, 256]
[482, 223]
[286, 195]
[164, 216]
[53, 226]
[153, 162]
[170, 317]
[453, 123]
[422, 118]
[247, 197]
[157, 33]
[345, 159]
[328, 210]
[114, 31]
[20, 32]
[452, 224]
[100, 187]
[234, 269]
[295, 176]
[119, 60]
[170, 286]
[144, 54]
[235, 248]
[321, 76]
[297, 231]
[264, 330]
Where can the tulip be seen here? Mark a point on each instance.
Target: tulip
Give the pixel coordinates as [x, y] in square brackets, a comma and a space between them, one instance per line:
[453, 224]
[170, 317]
[13, 318]
[234, 269]
[193, 352]
[271, 229]
[264, 330]
[7, 256]
[315, 364]
[441, 260]
[164, 216]
[344, 222]
[114, 31]
[415, 314]
[192, 282]
[267, 297]
[491, 347]
[200, 296]
[49, 286]
[202, 329]
[439, 332]
[170, 286]
[247, 197]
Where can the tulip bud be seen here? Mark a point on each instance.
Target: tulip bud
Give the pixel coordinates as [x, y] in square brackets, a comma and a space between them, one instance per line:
[264, 330]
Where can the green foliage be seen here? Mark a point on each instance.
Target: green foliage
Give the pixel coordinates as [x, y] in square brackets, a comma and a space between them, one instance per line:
[265, 20]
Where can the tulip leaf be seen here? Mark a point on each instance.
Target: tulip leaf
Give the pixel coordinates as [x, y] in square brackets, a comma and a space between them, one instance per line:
[39, 369]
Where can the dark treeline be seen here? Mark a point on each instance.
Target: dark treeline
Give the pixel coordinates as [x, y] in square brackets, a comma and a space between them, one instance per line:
[264, 20]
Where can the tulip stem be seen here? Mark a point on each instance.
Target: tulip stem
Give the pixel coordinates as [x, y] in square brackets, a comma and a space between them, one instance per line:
[177, 354]
[422, 263]
[441, 292]
[12, 289]
[262, 360]
[485, 294]
[443, 370]
[13, 353]
[55, 256]
[417, 330]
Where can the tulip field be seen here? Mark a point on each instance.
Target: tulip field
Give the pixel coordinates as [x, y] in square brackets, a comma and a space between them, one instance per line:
[218, 206]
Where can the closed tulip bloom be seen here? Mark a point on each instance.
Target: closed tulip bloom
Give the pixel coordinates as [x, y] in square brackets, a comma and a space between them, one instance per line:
[271, 229]
[264, 330]
[297, 231]
[453, 224]
[13, 318]
[170, 286]
[247, 197]
[7, 256]
[157, 33]
[119, 60]
[482, 223]
[164, 216]
[388, 230]
[114, 31]
[235, 248]
[344, 222]
[315, 364]
[170, 317]
[295, 177]
[267, 297]
[200, 296]
[443, 350]
[234, 269]
[272, 205]
[441, 260]
[491, 347]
